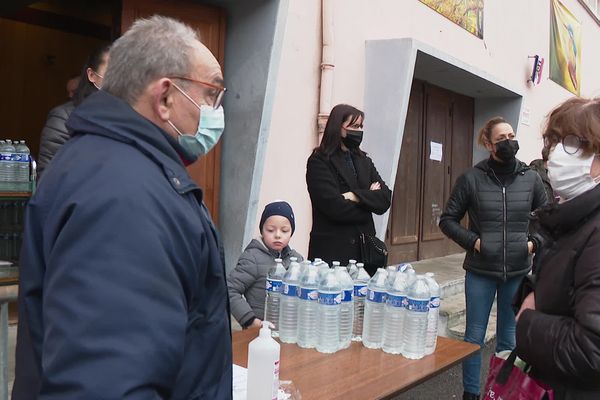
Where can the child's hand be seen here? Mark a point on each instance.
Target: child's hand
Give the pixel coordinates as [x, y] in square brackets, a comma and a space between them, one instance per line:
[257, 323]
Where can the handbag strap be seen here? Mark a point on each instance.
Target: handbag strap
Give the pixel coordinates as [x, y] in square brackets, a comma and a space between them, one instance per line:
[506, 368]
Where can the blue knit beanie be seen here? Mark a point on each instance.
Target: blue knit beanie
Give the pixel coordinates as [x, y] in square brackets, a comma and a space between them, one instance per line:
[278, 208]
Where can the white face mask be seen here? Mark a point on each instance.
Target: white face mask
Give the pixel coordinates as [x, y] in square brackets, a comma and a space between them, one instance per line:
[569, 174]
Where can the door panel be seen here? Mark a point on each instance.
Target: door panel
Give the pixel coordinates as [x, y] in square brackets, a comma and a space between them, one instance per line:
[209, 22]
[404, 223]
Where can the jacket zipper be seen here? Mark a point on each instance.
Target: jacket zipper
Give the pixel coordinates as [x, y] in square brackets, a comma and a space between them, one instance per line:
[503, 224]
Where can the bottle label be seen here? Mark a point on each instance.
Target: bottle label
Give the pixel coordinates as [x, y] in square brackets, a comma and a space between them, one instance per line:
[308, 294]
[6, 157]
[376, 297]
[290, 290]
[360, 290]
[20, 157]
[417, 305]
[274, 285]
[396, 301]
[434, 302]
[330, 299]
[347, 295]
[274, 393]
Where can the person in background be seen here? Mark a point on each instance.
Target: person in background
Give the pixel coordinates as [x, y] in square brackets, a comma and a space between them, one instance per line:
[498, 194]
[345, 189]
[123, 290]
[55, 133]
[246, 282]
[72, 85]
[558, 328]
[541, 167]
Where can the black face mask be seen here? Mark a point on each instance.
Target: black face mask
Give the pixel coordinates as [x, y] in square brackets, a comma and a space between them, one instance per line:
[507, 149]
[352, 139]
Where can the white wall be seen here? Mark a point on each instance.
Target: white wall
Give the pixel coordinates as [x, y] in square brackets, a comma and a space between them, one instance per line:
[513, 29]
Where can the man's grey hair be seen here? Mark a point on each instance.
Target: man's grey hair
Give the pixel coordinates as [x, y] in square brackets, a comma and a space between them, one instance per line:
[152, 48]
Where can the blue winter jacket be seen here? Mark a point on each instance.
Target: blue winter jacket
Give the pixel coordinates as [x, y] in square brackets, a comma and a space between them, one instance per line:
[122, 287]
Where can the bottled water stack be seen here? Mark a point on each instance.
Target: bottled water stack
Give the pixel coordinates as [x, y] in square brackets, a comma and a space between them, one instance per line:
[273, 296]
[372, 336]
[360, 293]
[330, 299]
[288, 310]
[394, 314]
[308, 307]
[415, 322]
[346, 308]
[433, 315]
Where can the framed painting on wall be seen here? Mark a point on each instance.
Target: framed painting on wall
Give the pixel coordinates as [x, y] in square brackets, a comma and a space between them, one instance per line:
[467, 14]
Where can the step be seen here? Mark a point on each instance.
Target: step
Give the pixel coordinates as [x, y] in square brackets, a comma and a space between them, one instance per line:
[458, 327]
[452, 311]
[448, 272]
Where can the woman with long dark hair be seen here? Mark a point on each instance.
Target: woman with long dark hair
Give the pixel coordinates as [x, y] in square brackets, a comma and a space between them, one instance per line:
[55, 133]
[344, 187]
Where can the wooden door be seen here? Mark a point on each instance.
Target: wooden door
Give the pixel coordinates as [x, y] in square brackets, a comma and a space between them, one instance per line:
[209, 22]
[436, 149]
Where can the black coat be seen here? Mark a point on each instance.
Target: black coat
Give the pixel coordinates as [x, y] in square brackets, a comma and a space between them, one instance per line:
[337, 222]
[498, 215]
[122, 282]
[54, 134]
[561, 338]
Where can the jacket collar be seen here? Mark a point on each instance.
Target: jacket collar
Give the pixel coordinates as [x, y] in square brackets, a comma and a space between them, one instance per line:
[558, 219]
[520, 167]
[106, 115]
[260, 245]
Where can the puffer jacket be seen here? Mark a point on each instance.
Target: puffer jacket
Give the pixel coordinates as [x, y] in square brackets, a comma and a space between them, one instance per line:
[498, 216]
[560, 339]
[54, 134]
[249, 277]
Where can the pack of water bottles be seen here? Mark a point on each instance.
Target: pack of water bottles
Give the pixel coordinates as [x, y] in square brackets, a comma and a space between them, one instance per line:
[15, 171]
[316, 306]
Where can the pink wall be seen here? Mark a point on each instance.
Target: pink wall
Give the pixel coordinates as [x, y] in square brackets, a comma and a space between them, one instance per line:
[513, 29]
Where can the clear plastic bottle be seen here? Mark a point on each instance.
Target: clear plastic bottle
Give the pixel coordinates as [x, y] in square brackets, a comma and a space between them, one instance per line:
[404, 267]
[433, 315]
[23, 155]
[347, 306]
[415, 321]
[330, 299]
[323, 268]
[288, 309]
[360, 293]
[273, 295]
[308, 307]
[3, 163]
[391, 270]
[263, 366]
[9, 164]
[394, 314]
[352, 269]
[372, 336]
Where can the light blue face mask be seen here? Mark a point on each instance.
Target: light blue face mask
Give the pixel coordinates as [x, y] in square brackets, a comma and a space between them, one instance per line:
[210, 128]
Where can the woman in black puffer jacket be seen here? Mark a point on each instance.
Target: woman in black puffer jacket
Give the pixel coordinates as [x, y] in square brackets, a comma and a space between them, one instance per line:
[498, 194]
[55, 134]
[558, 328]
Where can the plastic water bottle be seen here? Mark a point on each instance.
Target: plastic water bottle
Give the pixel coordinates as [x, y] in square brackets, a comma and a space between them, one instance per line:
[9, 164]
[347, 306]
[323, 269]
[288, 309]
[273, 295]
[391, 270]
[415, 322]
[263, 366]
[23, 155]
[404, 267]
[3, 163]
[360, 293]
[372, 336]
[308, 307]
[394, 314]
[433, 315]
[352, 269]
[330, 299]
[303, 265]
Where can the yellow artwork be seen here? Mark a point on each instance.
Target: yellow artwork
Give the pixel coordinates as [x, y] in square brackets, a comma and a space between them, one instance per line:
[565, 48]
[465, 13]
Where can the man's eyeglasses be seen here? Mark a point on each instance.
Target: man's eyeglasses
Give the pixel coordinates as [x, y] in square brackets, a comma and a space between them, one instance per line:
[217, 93]
[571, 143]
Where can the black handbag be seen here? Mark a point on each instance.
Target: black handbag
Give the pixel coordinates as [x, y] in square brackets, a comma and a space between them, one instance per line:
[373, 253]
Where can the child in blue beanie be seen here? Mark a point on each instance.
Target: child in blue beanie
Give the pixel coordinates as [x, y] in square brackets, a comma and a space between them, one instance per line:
[246, 282]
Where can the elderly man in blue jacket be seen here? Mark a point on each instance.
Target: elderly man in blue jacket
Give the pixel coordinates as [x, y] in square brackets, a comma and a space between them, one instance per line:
[123, 292]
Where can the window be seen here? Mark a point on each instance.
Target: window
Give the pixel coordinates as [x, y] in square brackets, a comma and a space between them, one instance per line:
[593, 7]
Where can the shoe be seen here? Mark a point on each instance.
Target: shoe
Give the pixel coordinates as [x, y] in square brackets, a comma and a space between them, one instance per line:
[470, 396]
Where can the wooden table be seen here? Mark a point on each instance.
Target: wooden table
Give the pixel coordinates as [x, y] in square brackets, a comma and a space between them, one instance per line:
[356, 372]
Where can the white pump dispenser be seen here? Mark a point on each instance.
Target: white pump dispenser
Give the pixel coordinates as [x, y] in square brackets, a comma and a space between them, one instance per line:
[263, 366]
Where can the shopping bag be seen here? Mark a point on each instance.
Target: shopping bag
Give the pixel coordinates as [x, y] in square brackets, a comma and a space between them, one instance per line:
[507, 382]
